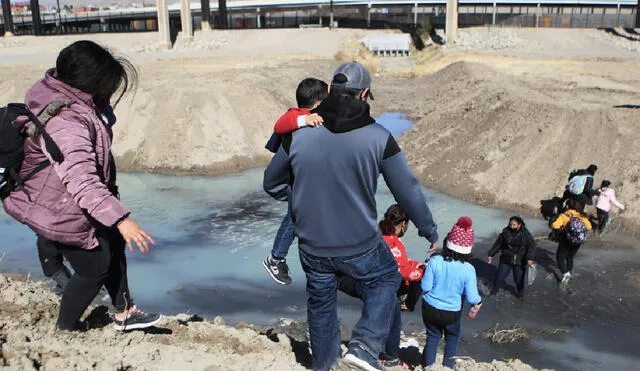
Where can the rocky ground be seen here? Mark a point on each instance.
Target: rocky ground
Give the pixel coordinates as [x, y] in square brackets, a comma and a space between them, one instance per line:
[28, 340]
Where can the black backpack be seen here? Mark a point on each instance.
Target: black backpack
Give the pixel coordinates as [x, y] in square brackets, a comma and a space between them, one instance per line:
[12, 148]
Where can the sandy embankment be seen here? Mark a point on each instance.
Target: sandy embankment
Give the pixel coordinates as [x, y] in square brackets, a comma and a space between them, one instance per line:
[28, 341]
[505, 131]
[501, 117]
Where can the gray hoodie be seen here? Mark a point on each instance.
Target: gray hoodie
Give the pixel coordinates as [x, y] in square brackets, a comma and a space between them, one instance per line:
[333, 172]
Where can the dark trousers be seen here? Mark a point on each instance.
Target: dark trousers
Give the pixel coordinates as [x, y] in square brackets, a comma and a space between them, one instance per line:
[52, 263]
[440, 322]
[413, 292]
[518, 277]
[565, 254]
[51, 259]
[105, 265]
[603, 219]
[583, 198]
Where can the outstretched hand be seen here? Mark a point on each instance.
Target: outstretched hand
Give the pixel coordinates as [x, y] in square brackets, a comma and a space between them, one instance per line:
[133, 233]
[433, 247]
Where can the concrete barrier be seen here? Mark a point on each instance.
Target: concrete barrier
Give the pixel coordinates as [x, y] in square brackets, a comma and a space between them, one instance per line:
[389, 45]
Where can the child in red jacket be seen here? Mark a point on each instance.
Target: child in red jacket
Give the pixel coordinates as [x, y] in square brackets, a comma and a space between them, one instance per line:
[394, 225]
[309, 94]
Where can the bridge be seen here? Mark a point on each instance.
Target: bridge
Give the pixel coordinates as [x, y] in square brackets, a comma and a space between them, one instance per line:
[185, 16]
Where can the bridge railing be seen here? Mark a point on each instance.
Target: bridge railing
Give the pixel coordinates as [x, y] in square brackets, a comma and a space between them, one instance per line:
[470, 14]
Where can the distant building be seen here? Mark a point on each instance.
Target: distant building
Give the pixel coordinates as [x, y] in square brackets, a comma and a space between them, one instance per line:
[84, 9]
[23, 7]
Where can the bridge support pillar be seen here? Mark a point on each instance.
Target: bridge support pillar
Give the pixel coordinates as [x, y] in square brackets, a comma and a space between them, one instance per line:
[222, 14]
[452, 20]
[495, 11]
[205, 12]
[638, 15]
[163, 23]
[186, 20]
[331, 14]
[35, 17]
[8, 17]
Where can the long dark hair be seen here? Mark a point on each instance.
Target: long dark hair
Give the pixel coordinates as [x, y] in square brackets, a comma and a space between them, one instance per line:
[450, 255]
[87, 66]
[392, 217]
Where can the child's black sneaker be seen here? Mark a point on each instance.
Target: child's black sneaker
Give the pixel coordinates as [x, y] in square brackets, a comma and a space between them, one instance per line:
[136, 319]
[278, 269]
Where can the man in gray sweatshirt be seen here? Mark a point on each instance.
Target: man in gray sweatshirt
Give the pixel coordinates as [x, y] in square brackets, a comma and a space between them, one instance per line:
[333, 172]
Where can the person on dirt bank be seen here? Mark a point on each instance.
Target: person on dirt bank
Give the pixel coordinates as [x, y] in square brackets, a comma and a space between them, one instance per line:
[572, 225]
[74, 204]
[580, 186]
[448, 279]
[517, 248]
[333, 172]
[605, 198]
[393, 226]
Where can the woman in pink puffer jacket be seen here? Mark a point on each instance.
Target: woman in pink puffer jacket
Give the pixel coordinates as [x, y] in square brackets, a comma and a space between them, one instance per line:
[74, 204]
[606, 197]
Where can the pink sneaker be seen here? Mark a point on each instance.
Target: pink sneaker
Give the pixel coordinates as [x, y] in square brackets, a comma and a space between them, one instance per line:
[136, 319]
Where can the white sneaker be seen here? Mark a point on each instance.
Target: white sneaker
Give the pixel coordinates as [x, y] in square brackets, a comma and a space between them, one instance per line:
[565, 279]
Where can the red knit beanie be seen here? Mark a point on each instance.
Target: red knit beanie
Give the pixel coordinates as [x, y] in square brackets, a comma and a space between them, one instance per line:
[460, 239]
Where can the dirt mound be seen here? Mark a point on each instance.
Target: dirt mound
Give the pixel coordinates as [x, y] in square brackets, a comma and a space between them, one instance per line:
[28, 341]
[508, 139]
[196, 115]
[182, 122]
[545, 42]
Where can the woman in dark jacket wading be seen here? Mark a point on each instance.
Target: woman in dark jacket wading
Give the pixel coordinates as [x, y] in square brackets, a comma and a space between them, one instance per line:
[518, 249]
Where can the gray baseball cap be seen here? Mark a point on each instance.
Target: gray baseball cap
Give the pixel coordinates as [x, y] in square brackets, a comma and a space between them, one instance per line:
[358, 77]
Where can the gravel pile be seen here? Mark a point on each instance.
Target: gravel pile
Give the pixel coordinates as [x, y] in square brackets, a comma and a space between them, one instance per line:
[486, 39]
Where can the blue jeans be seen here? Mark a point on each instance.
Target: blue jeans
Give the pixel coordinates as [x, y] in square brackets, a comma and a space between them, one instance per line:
[286, 234]
[518, 277]
[392, 343]
[284, 237]
[434, 321]
[376, 272]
